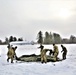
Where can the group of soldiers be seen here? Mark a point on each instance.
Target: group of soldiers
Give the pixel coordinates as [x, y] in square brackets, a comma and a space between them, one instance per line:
[11, 54]
[54, 52]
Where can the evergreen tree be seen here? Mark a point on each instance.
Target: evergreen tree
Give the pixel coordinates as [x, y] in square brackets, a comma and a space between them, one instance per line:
[51, 38]
[47, 39]
[6, 40]
[72, 39]
[14, 39]
[40, 37]
[20, 39]
[57, 38]
[10, 38]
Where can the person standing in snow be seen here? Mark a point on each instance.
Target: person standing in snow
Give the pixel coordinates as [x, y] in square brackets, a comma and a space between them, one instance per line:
[11, 53]
[55, 51]
[64, 50]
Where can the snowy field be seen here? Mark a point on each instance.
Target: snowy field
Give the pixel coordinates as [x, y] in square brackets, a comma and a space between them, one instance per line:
[65, 67]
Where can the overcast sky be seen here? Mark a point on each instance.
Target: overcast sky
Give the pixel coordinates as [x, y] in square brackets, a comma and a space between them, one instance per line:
[25, 18]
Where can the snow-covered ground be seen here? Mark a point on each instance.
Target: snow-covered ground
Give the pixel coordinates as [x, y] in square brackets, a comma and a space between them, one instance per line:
[65, 67]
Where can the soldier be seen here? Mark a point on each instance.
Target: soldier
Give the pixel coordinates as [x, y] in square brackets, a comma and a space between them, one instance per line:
[11, 53]
[64, 50]
[14, 49]
[43, 55]
[41, 47]
[55, 52]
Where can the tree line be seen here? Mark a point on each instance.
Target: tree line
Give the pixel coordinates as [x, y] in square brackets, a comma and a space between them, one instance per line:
[10, 39]
[50, 38]
[47, 38]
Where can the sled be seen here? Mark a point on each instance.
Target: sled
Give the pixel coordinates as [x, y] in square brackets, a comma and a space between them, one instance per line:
[36, 58]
